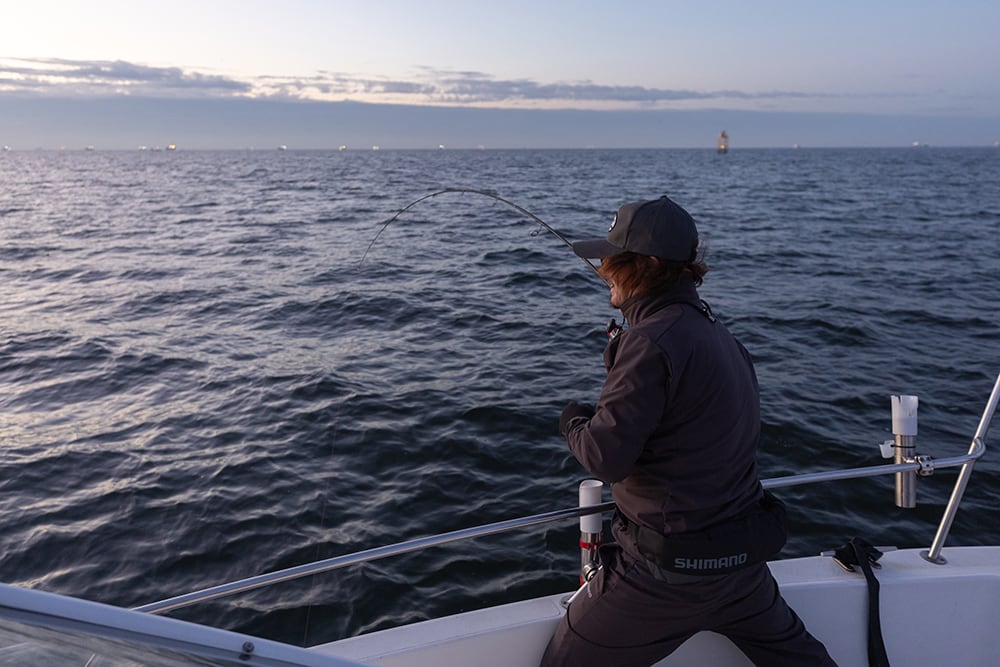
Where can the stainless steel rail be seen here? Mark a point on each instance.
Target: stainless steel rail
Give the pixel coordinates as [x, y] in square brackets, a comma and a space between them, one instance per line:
[921, 465]
[978, 444]
[364, 556]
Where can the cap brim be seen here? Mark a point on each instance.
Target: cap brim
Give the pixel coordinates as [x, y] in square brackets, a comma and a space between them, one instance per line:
[596, 249]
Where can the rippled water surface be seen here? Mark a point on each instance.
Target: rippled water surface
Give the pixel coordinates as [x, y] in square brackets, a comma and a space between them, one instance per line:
[201, 381]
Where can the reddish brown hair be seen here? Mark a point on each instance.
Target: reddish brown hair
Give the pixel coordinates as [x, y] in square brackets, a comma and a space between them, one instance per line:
[642, 274]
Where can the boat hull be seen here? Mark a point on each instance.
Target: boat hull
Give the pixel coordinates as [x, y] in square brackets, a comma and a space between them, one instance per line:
[930, 615]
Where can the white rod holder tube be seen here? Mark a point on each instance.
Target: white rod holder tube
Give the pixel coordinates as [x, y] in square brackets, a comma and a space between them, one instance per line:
[591, 529]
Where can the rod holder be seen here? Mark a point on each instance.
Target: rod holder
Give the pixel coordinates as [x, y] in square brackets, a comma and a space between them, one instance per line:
[591, 529]
[904, 431]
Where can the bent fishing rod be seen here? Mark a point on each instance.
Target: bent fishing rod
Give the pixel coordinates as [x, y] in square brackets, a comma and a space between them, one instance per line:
[483, 193]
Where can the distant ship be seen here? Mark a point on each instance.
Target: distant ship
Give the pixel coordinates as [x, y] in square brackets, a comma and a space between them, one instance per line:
[722, 145]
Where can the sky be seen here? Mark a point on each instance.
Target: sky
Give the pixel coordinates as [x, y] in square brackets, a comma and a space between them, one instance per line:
[469, 73]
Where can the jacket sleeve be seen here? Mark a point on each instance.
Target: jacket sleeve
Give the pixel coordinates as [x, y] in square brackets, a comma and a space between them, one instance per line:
[628, 411]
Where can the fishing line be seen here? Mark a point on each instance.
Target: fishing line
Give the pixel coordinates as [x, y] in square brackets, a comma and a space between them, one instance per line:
[484, 193]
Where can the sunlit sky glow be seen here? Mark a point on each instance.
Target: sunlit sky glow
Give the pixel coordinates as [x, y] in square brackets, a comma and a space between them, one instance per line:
[859, 57]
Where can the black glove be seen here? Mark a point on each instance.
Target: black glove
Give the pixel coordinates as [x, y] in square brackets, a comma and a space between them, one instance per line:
[571, 412]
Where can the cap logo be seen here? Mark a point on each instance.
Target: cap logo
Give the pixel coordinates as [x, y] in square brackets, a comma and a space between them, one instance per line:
[613, 222]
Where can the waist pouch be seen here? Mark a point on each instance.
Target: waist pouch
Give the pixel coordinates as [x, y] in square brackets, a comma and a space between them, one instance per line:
[747, 539]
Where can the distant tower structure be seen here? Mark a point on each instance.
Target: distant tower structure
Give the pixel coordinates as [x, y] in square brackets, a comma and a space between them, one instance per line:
[723, 143]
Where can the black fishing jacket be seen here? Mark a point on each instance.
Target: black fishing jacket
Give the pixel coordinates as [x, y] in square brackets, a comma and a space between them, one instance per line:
[677, 424]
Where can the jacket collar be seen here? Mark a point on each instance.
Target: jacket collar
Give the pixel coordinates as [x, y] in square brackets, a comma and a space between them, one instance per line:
[638, 308]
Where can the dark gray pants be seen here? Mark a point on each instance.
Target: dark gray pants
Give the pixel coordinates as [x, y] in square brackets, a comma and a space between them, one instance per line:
[632, 616]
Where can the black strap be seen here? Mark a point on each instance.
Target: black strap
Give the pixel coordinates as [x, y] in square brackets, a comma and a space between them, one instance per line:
[859, 552]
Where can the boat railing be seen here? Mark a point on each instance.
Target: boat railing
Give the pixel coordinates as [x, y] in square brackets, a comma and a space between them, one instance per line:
[907, 466]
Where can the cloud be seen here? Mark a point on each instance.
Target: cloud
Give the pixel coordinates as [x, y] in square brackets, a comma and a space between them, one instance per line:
[461, 88]
[426, 87]
[55, 76]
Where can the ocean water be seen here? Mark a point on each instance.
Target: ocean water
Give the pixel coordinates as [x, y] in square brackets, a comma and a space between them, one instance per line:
[200, 380]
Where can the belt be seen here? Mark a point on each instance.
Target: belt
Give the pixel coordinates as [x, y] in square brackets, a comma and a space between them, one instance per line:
[749, 538]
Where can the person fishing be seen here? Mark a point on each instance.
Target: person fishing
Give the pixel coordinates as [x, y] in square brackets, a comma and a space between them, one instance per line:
[675, 431]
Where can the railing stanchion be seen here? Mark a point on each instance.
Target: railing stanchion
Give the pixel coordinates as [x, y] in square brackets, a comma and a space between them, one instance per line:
[978, 445]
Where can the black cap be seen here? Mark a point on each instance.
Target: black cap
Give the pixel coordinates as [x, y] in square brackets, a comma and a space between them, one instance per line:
[657, 227]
